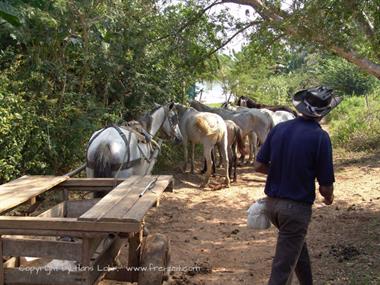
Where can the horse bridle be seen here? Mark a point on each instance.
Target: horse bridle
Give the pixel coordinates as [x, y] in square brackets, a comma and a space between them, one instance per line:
[166, 115]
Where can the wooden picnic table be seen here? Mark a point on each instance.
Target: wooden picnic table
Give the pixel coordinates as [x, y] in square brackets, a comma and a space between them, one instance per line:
[117, 218]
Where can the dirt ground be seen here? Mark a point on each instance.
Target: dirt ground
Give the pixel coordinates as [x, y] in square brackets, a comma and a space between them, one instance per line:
[211, 244]
[207, 228]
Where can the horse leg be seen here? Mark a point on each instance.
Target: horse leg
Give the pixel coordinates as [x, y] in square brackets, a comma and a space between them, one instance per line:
[252, 146]
[186, 155]
[224, 147]
[207, 155]
[192, 158]
[220, 156]
[203, 171]
[213, 159]
[230, 158]
[242, 156]
[233, 160]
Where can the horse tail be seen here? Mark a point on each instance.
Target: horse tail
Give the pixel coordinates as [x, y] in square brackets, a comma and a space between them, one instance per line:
[240, 141]
[102, 157]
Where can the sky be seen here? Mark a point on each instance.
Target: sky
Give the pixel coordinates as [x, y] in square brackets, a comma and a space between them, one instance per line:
[213, 91]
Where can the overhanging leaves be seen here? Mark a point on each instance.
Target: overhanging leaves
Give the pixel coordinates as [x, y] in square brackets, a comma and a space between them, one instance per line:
[7, 13]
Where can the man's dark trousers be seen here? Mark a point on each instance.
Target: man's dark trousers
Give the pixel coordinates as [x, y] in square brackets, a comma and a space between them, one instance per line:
[292, 220]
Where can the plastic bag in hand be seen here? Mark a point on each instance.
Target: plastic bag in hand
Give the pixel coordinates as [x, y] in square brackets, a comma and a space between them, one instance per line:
[257, 218]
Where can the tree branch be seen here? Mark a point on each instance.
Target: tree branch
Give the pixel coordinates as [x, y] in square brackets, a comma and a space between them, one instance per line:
[188, 23]
[274, 19]
[228, 40]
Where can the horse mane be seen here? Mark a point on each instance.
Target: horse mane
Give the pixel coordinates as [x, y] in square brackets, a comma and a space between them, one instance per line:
[146, 119]
[199, 104]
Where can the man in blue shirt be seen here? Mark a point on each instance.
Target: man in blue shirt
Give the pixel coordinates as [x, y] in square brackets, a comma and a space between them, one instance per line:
[294, 154]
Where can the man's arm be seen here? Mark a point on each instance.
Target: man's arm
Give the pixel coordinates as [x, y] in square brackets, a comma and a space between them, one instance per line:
[327, 193]
[261, 167]
[325, 169]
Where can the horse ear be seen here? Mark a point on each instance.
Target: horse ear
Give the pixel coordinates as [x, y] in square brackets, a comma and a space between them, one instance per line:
[156, 105]
[171, 105]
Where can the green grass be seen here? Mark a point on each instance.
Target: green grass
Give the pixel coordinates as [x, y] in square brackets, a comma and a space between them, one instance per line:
[214, 105]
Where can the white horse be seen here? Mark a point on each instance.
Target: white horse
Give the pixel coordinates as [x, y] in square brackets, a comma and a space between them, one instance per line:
[121, 152]
[252, 122]
[279, 116]
[208, 129]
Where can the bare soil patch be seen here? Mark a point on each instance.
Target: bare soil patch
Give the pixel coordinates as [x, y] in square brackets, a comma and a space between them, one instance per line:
[210, 243]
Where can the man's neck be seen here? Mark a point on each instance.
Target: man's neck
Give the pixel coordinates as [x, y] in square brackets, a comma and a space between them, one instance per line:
[315, 119]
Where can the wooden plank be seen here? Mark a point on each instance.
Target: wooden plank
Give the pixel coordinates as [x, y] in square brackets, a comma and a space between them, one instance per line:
[1, 262]
[134, 241]
[25, 188]
[46, 232]
[92, 182]
[42, 248]
[58, 210]
[77, 208]
[65, 194]
[117, 212]
[56, 277]
[105, 259]
[149, 199]
[85, 260]
[65, 224]
[115, 198]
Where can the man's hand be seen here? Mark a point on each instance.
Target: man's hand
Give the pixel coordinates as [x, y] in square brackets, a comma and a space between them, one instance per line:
[261, 167]
[329, 200]
[327, 193]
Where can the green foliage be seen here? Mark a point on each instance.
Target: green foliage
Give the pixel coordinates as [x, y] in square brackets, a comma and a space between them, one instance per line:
[74, 66]
[8, 14]
[345, 78]
[274, 78]
[355, 126]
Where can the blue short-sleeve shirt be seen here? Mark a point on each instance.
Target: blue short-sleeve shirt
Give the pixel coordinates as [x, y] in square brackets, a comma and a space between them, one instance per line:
[297, 152]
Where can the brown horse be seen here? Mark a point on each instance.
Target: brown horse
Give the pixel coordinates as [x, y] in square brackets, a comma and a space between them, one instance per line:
[248, 102]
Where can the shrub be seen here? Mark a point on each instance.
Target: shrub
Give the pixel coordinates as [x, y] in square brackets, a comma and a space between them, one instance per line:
[345, 78]
[354, 126]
